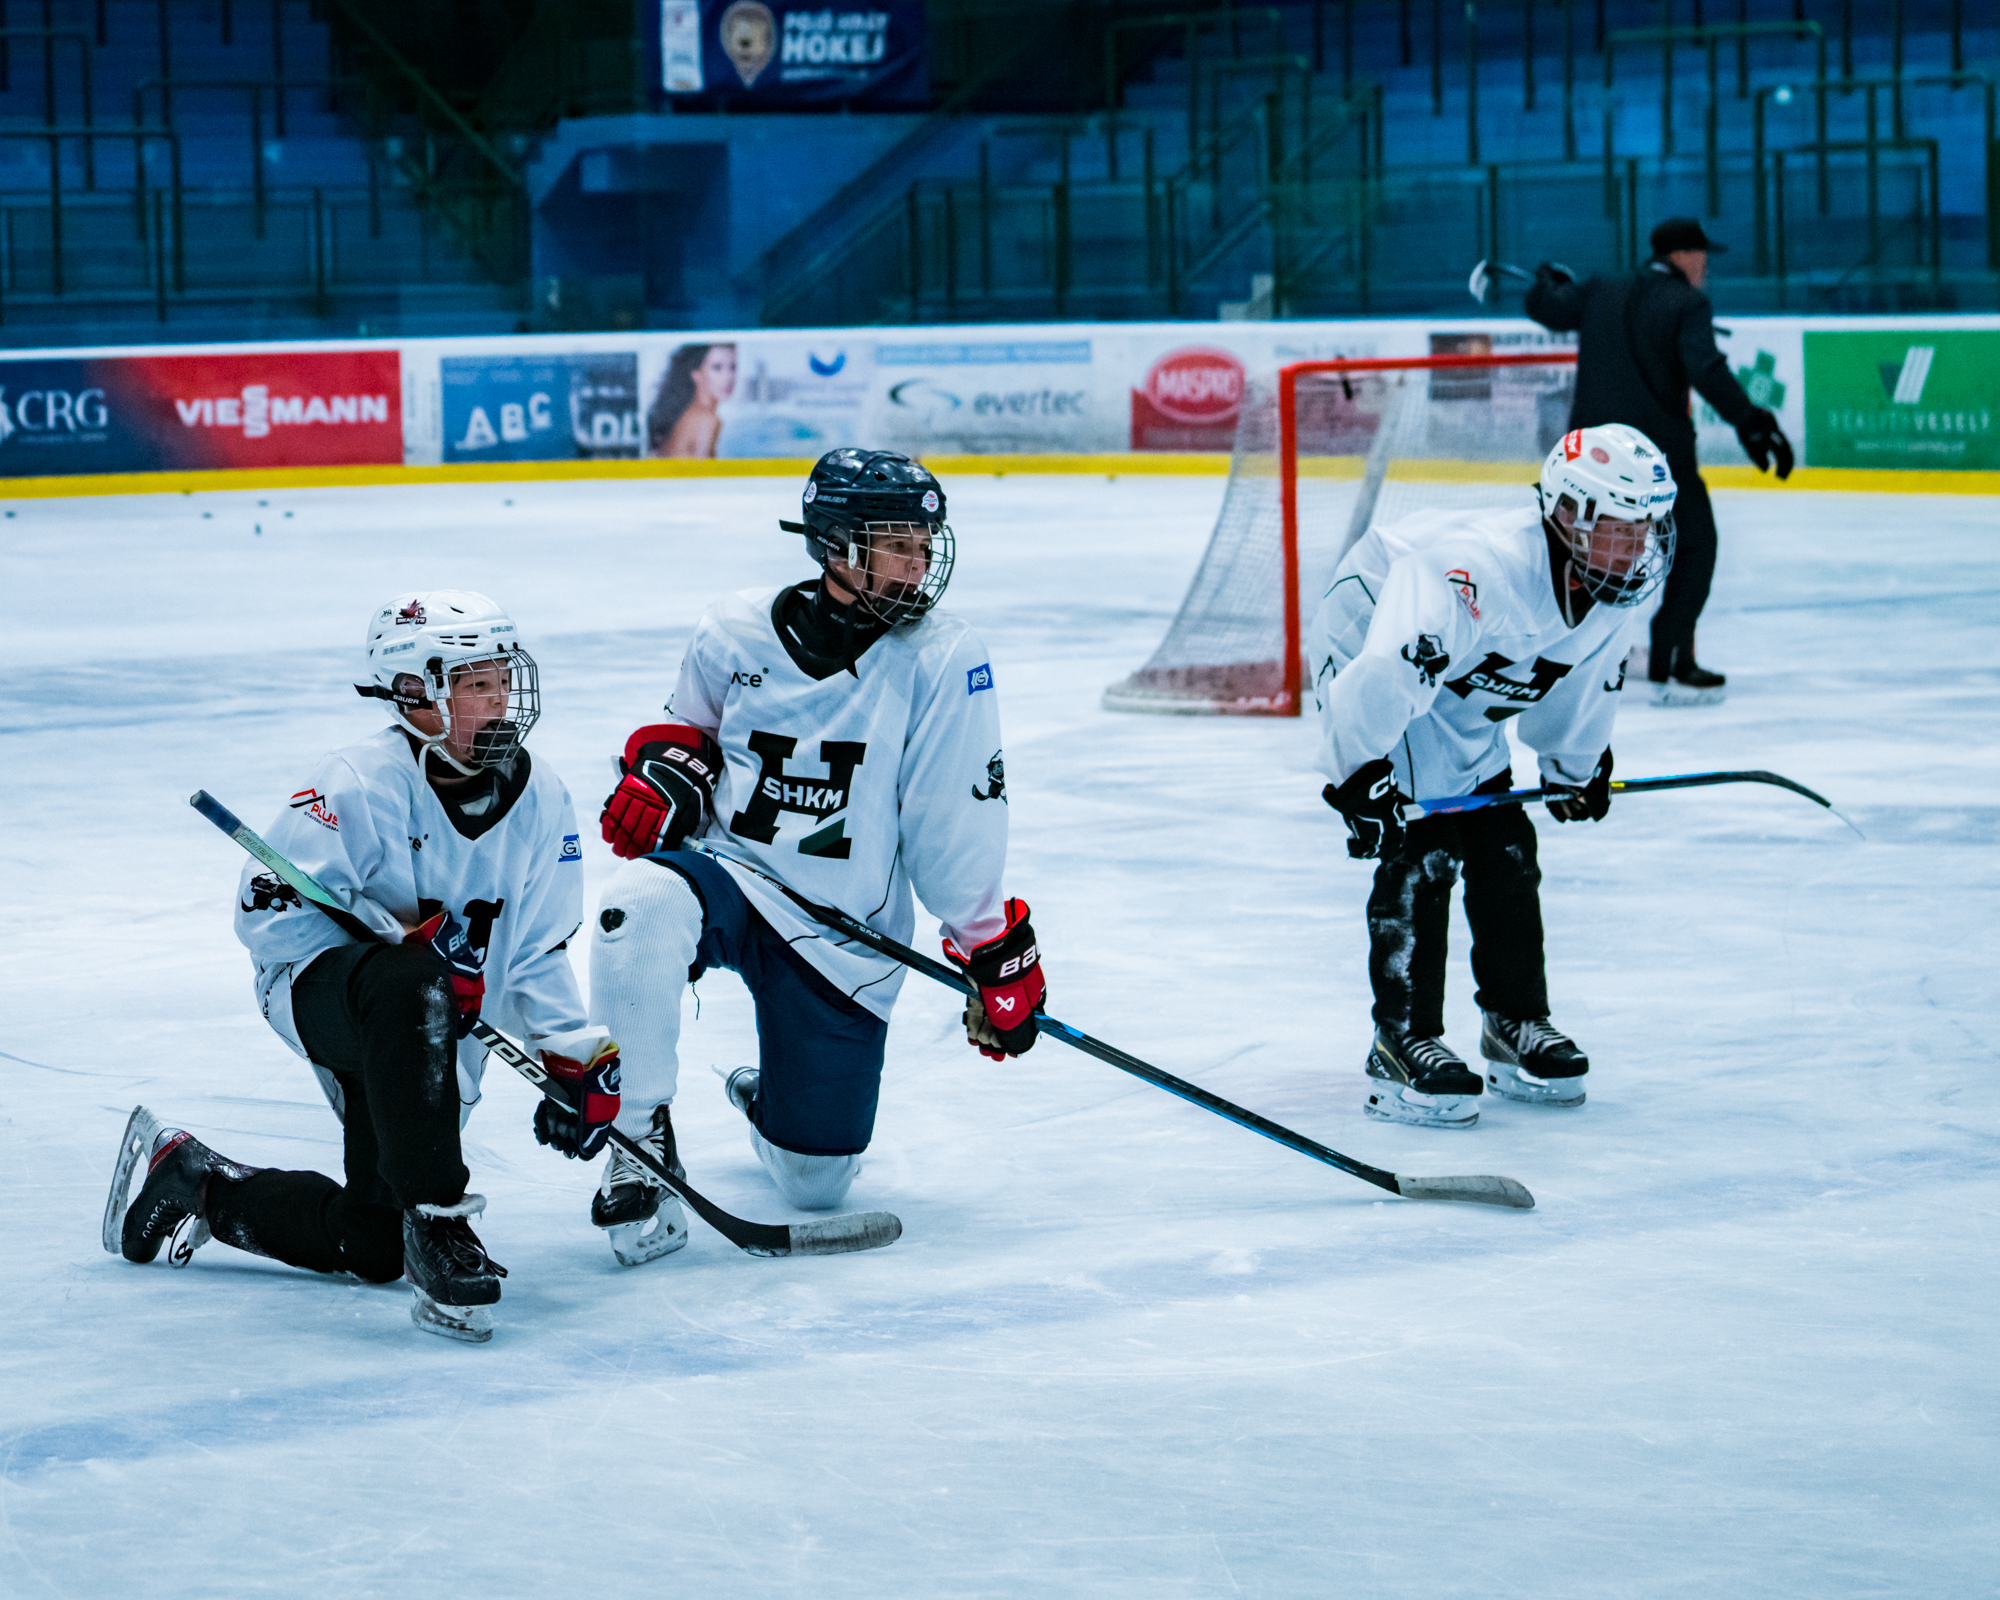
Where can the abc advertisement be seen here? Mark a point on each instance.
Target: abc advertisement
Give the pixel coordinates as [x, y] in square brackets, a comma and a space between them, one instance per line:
[541, 407]
[754, 53]
[184, 413]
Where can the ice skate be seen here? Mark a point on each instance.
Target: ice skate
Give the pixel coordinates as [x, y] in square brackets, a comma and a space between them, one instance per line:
[1690, 684]
[1529, 1061]
[741, 1087]
[452, 1278]
[643, 1217]
[1422, 1082]
[170, 1207]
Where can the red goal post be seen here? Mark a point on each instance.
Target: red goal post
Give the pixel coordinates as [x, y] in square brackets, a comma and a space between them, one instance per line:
[1371, 439]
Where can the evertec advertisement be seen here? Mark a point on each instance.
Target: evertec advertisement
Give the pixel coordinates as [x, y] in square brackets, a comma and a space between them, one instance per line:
[1906, 394]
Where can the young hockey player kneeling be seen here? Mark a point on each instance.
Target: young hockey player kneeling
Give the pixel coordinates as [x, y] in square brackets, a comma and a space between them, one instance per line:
[443, 836]
[843, 736]
[1439, 628]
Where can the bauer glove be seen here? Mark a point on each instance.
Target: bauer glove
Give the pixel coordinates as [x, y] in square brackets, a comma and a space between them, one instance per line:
[1000, 1017]
[584, 1065]
[1588, 804]
[1764, 441]
[668, 785]
[446, 935]
[1373, 807]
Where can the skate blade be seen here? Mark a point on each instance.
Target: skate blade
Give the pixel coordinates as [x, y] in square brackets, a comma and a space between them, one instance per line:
[661, 1234]
[190, 1234]
[1394, 1103]
[1679, 694]
[469, 1324]
[1524, 1088]
[141, 1128]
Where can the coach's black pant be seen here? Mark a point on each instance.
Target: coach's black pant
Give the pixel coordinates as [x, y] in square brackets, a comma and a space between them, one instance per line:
[1409, 917]
[379, 1018]
[1690, 576]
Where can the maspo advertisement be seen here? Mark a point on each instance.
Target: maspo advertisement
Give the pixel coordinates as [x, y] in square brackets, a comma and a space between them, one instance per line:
[779, 54]
[997, 395]
[1189, 400]
[1908, 397]
[167, 413]
[541, 408]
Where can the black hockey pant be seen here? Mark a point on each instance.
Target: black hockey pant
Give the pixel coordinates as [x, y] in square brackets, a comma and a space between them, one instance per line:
[1689, 578]
[379, 1018]
[1409, 917]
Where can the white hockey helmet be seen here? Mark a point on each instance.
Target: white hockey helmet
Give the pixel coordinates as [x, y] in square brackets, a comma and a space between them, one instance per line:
[1611, 473]
[415, 645]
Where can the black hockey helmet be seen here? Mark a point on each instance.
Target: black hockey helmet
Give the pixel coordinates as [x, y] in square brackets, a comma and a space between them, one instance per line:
[856, 496]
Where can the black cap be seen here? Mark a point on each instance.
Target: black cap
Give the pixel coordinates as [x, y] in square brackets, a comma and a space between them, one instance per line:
[1682, 233]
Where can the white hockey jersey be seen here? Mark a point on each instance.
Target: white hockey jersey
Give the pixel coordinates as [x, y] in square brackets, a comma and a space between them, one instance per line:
[856, 788]
[1440, 627]
[371, 829]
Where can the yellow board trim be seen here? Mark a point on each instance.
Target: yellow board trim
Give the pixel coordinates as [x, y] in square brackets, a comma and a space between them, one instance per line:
[1207, 464]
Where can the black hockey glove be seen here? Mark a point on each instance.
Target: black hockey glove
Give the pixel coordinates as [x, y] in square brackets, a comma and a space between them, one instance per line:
[1373, 807]
[668, 786]
[1588, 804]
[1554, 272]
[1764, 441]
[1000, 1018]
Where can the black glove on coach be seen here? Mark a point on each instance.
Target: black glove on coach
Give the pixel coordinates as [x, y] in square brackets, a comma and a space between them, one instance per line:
[1763, 440]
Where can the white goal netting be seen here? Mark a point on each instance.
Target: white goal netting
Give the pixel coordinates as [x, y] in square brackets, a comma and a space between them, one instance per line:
[1372, 446]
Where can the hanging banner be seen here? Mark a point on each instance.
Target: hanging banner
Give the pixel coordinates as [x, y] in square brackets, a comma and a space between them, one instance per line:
[770, 53]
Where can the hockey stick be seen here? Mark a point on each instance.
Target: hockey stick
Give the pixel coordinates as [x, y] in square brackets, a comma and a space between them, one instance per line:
[1489, 1191]
[861, 1230]
[1684, 780]
[1483, 273]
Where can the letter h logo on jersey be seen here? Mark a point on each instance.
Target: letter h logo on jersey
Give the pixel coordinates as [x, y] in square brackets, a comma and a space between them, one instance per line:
[779, 791]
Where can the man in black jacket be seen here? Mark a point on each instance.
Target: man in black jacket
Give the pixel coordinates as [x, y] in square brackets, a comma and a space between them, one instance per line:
[1645, 339]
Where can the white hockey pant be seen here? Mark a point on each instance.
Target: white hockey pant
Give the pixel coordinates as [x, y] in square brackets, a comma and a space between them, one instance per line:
[649, 922]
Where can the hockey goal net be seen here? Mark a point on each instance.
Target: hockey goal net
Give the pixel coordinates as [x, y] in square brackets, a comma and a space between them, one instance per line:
[1324, 451]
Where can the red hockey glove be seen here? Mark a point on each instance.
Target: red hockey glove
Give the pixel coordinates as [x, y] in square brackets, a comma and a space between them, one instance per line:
[1000, 1019]
[670, 774]
[1373, 807]
[445, 934]
[590, 1077]
[1588, 804]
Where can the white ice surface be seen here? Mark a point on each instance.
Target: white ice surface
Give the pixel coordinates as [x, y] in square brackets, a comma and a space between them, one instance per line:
[1745, 1346]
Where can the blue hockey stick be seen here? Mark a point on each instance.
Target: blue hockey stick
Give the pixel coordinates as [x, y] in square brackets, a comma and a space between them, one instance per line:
[1684, 780]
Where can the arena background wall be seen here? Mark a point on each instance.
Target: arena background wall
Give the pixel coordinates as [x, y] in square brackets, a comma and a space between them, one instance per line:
[1889, 402]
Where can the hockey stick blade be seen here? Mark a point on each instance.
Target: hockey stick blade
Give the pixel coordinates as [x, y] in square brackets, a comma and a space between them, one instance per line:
[1478, 1190]
[866, 1230]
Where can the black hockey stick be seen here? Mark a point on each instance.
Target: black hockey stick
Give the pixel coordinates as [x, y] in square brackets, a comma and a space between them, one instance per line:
[861, 1230]
[1684, 780]
[1489, 1191]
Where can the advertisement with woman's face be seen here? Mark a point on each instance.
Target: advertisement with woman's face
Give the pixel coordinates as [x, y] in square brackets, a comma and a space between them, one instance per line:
[685, 420]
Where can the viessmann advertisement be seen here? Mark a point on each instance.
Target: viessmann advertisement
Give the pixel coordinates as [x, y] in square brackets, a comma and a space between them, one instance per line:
[182, 412]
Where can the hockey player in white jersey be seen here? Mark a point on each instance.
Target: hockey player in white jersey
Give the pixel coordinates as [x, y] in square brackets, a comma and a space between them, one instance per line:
[1437, 630]
[843, 736]
[443, 835]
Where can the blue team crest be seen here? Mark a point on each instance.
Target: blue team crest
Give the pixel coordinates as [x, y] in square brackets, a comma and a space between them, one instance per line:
[1659, 472]
[572, 849]
[979, 677]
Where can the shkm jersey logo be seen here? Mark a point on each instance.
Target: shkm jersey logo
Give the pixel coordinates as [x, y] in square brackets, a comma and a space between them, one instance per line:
[1486, 679]
[779, 791]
